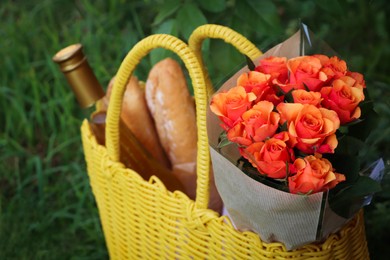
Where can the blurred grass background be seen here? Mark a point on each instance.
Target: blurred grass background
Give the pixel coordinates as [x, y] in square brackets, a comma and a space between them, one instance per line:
[47, 210]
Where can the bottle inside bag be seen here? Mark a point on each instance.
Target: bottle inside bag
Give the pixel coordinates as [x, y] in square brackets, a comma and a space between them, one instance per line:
[89, 92]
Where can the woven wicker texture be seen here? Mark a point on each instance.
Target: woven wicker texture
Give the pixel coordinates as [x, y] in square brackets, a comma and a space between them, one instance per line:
[230, 36]
[143, 220]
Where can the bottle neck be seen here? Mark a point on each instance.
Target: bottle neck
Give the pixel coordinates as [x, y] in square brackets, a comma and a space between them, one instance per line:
[79, 75]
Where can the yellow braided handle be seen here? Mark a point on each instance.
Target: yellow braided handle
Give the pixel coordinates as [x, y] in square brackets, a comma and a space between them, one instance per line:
[140, 50]
[215, 31]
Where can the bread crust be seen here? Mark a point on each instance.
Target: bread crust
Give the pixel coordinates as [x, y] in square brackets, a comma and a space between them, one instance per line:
[135, 114]
[173, 110]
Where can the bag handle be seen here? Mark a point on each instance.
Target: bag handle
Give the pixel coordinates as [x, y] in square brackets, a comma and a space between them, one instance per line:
[126, 69]
[230, 36]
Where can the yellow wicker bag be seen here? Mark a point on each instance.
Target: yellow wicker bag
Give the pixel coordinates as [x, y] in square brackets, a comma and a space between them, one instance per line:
[143, 220]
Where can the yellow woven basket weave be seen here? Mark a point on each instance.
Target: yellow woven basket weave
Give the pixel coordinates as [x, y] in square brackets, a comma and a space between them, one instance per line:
[143, 220]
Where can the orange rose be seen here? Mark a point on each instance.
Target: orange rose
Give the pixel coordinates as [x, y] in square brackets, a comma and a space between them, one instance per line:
[359, 79]
[333, 67]
[323, 58]
[343, 98]
[270, 157]
[274, 66]
[238, 135]
[313, 174]
[253, 81]
[306, 97]
[258, 123]
[229, 106]
[305, 71]
[259, 84]
[311, 129]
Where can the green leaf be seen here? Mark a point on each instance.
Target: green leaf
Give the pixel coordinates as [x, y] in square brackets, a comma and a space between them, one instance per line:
[167, 9]
[369, 120]
[283, 127]
[330, 6]
[240, 26]
[223, 143]
[288, 97]
[366, 106]
[349, 145]
[347, 201]
[267, 12]
[223, 140]
[214, 6]
[189, 17]
[249, 17]
[220, 50]
[168, 27]
[354, 122]
[306, 87]
[346, 164]
[279, 91]
[250, 63]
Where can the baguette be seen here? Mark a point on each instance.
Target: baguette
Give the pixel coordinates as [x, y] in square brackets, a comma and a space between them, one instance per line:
[173, 110]
[135, 114]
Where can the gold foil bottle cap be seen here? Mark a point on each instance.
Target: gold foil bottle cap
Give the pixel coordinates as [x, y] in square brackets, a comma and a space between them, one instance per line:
[79, 75]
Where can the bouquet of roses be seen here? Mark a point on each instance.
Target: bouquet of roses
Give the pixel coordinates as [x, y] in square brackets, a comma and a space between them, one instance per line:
[271, 129]
[291, 121]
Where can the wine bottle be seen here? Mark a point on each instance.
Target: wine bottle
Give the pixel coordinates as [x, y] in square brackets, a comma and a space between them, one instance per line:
[88, 91]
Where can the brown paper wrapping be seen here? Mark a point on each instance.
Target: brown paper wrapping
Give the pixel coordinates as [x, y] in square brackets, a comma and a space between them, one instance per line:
[277, 216]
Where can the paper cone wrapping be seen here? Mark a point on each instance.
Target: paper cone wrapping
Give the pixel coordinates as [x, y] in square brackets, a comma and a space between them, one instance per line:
[277, 216]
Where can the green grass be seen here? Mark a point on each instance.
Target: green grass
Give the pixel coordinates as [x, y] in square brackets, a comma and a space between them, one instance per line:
[47, 210]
